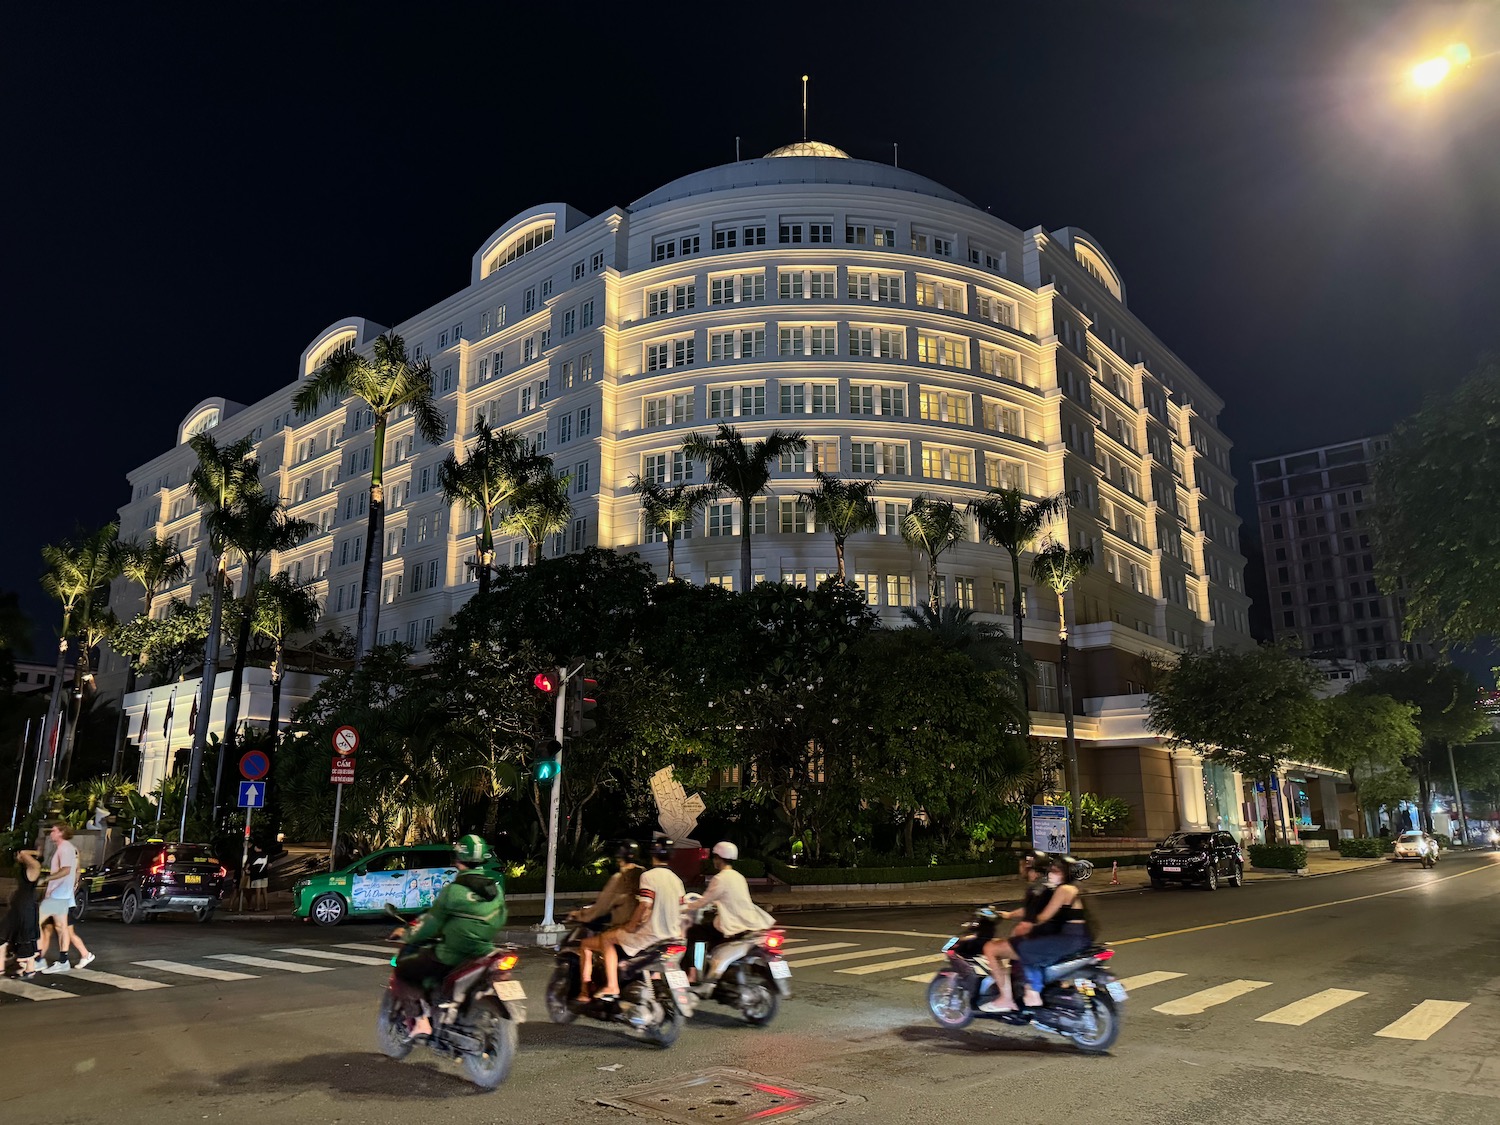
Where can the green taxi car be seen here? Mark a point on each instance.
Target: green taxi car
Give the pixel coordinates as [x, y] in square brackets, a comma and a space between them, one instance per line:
[408, 877]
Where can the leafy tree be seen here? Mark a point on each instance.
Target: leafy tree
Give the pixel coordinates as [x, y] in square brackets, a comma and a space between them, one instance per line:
[1058, 567]
[386, 381]
[284, 609]
[669, 508]
[843, 508]
[932, 527]
[1013, 523]
[493, 472]
[1366, 735]
[151, 565]
[538, 509]
[257, 527]
[1448, 714]
[1252, 710]
[1437, 535]
[223, 477]
[741, 471]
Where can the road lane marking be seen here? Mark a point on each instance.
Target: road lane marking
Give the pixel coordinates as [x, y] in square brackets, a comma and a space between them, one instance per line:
[129, 984]
[1144, 980]
[1311, 1007]
[1424, 1021]
[885, 966]
[1197, 1002]
[922, 978]
[389, 948]
[1422, 886]
[270, 963]
[882, 933]
[824, 948]
[32, 991]
[331, 955]
[194, 970]
[858, 953]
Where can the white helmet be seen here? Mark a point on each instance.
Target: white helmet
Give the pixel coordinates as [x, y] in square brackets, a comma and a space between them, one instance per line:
[726, 851]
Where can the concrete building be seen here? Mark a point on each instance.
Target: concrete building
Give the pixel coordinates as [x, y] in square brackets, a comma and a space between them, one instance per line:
[1320, 567]
[912, 336]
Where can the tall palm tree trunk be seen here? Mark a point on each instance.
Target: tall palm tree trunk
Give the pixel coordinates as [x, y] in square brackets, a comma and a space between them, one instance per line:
[80, 678]
[369, 593]
[671, 553]
[1017, 603]
[206, 688]
[54, 714]
[1075, 786]
[486, 555]
[838, 554]
[236, 686]
[274, 724]
[745, 566]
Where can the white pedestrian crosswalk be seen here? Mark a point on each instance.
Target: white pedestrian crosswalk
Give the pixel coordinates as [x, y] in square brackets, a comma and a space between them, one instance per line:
[816, 958]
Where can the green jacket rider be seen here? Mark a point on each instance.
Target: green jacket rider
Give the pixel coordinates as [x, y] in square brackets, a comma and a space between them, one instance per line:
[468, 913]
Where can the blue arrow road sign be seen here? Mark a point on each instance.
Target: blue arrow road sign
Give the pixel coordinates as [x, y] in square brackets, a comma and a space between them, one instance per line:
[252, 794]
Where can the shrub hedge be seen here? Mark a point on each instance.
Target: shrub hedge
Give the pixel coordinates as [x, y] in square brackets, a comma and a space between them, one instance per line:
[1285, 857]
[1363, 847]
[815, 876]
[535, 883]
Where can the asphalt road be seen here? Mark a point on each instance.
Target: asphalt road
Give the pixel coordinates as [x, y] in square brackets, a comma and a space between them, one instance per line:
[1410, 1037]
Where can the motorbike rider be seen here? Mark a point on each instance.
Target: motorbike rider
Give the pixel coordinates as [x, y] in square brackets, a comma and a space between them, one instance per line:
[1062, 928]
[616, 904]
[999, 952]
[729, 893]
[657, 917]
[461, 925]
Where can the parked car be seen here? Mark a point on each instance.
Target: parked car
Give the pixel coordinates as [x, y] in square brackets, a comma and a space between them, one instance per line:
[1197, 857]
[1416, 845]
[409, 878]
[156, 877]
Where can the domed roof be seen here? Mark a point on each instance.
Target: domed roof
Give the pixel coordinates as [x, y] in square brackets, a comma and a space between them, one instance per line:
[809, 148]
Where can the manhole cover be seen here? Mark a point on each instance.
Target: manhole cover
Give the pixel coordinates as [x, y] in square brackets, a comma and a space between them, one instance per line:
[725, 1095]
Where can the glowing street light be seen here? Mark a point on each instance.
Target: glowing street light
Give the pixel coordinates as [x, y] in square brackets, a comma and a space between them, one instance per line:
[1431, 72]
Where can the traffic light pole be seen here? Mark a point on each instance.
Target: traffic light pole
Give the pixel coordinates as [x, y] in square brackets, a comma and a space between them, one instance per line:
[548, 923]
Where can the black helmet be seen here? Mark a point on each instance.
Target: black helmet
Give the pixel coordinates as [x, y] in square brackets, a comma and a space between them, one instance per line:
[629, 851]
[1033, 860]
[1041, 862]
[662, 848]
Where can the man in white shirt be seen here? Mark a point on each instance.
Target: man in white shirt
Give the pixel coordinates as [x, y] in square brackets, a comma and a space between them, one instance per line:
[61, 880]
[657, 918]
[729, 894]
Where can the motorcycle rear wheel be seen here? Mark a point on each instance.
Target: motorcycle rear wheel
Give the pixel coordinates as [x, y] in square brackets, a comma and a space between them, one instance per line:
[666, 1032]
[1106, 1030]
[759, 999]
[949, 1002]
[499, 1037]
[390, 1028]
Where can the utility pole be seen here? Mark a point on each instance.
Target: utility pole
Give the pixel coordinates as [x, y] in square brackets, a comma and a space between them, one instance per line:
[549, 930]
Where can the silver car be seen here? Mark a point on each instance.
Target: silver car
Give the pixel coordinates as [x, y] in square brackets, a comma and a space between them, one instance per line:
[1416, 845]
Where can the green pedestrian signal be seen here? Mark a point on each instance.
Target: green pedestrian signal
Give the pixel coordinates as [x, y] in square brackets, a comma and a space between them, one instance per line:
[547, 769]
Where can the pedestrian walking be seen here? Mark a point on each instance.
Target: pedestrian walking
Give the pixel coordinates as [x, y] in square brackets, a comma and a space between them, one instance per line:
[61, 880]
[19, 929]
[260, 876]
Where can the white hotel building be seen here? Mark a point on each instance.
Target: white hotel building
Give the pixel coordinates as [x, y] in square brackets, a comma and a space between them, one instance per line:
[909, 334]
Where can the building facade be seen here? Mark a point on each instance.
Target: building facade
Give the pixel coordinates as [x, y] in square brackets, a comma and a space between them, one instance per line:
[910, 335]
[1314, 508]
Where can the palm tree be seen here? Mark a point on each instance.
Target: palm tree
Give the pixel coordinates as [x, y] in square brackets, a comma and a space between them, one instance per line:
[742, 471]
[932, 526]
[386, 381]
[1058, 567]
[493, 470]
[283, 609]
[77, 573]
[152, 566]
[844, 507]
[224, 475]
[670, 507]
[257, 527]
[1010, 521]
[539, 509]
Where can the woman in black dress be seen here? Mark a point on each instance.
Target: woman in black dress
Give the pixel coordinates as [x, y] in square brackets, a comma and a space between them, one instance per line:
[19, 926]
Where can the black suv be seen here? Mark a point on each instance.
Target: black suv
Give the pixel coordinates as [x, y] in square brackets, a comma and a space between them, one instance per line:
[1197, 857]
[142, 880]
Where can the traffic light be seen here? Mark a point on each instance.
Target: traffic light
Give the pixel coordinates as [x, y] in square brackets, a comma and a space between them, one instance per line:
[544, 682]
[581, 702]
[548, 767]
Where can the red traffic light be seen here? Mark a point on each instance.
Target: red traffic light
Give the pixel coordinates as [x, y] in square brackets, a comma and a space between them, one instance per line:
[542, 681]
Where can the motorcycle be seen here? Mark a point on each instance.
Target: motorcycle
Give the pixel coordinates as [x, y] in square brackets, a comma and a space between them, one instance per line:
[745, 972]
[476, 1013]
[655, 998]
[1494, 840]
[1080, 1000]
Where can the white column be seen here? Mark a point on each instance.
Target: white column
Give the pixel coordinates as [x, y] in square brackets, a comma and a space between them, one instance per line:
[1235, 822]
[1328, 791]
[1192, 810]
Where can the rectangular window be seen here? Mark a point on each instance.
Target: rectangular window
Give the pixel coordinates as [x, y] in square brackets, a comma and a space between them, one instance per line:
[570, 322]
[720, 519]
[882, 458]
[898, 590]
[825, 456]
[944, 406]
[596, 263]
[1002, 473]
[737, 288]
[580, 533]
[753, 236]
[528, 301]
[564, 428]
[581, 478]
[740, 343]
[940, 295]
[820, 232]
[948, 464]
[585, 421]
[794, 518]
[586, 314]
[791, 234]
[578, 270]
[945, 351]
[794, 461]
[856, 235]
[993, 361]
[726, 239]
[663, 249]
[794, 398]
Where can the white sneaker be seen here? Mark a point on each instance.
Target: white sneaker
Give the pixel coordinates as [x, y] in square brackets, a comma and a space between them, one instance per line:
[58, 967]
[995, 1006]
[85, 962]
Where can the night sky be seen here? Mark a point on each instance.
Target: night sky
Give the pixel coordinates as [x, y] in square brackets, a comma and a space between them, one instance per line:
[197, 190]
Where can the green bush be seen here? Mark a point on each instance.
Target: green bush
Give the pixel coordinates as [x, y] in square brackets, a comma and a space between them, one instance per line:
[1443, 841]
[1285, 857]
[571, 882]
[814, 876]
[1362, 847]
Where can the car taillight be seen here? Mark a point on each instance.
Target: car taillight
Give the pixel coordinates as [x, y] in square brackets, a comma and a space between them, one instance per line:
[1104, 955]
[507, 962]
[157, 867]
[676, 950]
[775, 939]
[223, 872]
